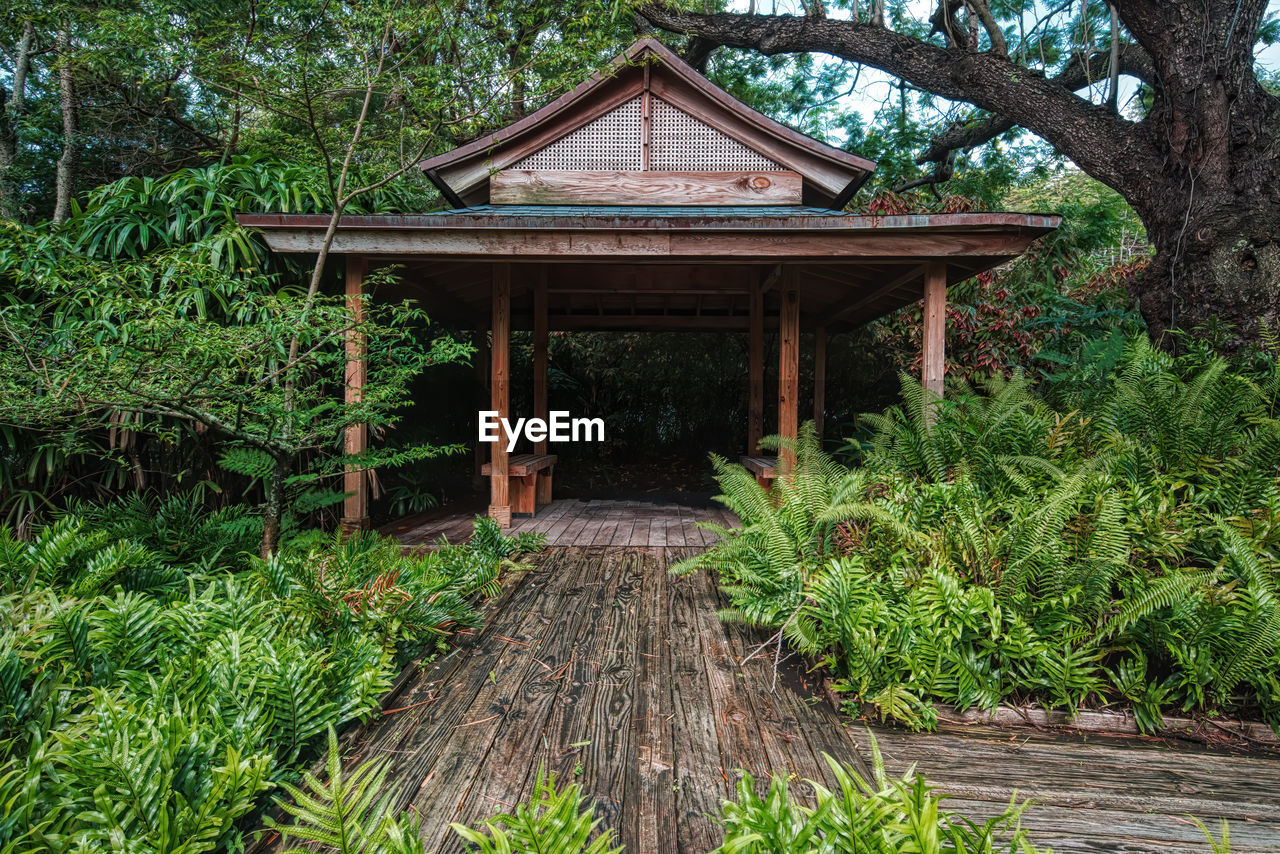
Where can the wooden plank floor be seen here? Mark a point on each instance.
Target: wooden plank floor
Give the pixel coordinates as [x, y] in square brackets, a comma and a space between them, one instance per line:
[1099, 793]
[571, 522]
[597, 664]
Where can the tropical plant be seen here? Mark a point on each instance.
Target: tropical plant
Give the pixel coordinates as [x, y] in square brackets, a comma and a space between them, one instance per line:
[994, 547]
[347, 813]
[880, 815]
[155, 680]
[553, 819]
[146, 347]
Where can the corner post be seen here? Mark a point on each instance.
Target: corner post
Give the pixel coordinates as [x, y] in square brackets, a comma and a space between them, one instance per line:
[755, 370]
[540, 353]
[819, 379]
[355, 480]
[934, 337]
[788, 368]
[500, 394]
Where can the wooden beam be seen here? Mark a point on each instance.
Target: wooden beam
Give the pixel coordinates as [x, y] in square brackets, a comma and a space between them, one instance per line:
[355, 481]
[561, 242]
[646, 120]
[540, 353]
[571, 187]
[500, 393]
[861, 301]
[755, 371]
[934, 343]
[771, 278]
[819, 379]
[643, 321]
[788, 367]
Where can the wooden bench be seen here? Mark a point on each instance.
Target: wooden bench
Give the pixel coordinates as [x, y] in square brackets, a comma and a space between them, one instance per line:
[530, 478]
[764, 468]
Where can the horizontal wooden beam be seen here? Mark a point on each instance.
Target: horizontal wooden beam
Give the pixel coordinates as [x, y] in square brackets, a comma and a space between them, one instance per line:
[642, 322]
[564, 187]
[583, 244]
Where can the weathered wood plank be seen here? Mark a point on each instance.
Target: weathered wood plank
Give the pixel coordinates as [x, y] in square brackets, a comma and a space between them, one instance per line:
[611, 751]
[468, 736]
[520, 732]
[567, 735]
[699, 778]
[649, 819]
[564, 187]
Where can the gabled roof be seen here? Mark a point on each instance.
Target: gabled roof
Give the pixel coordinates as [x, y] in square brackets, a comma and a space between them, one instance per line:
[649, 73]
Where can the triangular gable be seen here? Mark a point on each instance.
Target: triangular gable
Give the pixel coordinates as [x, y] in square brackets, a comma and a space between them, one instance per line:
[650, 112]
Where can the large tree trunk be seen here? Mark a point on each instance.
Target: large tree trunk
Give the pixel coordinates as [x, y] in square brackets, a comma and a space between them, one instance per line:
[11, 114]
[69, 162]
[1202, 169]
[1212, 209]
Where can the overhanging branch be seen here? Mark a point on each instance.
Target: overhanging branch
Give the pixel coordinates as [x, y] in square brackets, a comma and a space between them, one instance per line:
[1077, 75]
[1110, 148]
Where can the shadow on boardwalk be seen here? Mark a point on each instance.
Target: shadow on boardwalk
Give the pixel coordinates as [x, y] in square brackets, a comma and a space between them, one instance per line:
[600, 666]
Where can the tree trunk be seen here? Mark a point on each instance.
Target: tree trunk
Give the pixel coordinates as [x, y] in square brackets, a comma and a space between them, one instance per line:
[1212, 209]
[274, 509]
[70, 160]
[11, 114]
[1217, 260]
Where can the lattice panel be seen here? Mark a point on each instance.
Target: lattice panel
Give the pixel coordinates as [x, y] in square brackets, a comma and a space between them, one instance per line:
[682, 143]
[611, 142]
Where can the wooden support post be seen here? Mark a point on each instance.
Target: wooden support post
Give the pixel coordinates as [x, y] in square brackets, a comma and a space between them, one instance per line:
[788, 368]
[540, 353]
[500, 393]
[819, 379]
[934, 343]
[755, 370]
[480, 365]
[355, 481]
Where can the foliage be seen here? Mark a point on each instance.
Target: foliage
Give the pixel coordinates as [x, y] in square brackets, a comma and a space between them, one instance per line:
[196, 208]
[155, 680]
[880, 815]
[553, 819]
[994, 547]
[93, 342]
[348, 814]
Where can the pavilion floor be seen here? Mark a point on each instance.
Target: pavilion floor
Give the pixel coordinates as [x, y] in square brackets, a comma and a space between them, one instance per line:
[598, 665]
[573, 522]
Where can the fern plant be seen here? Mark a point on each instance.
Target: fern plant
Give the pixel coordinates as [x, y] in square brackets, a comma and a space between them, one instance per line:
[1000, 548]
[553, 819]
[347, 813]
[880, 815]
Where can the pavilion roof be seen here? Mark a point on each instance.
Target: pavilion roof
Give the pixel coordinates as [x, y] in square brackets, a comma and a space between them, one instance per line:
[648, 113]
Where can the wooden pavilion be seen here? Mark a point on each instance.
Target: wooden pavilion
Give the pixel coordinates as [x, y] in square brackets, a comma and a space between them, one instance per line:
[649, 199]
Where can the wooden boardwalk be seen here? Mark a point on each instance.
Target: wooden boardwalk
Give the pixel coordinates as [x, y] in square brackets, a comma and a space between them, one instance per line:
[600, 666]
[570, 522]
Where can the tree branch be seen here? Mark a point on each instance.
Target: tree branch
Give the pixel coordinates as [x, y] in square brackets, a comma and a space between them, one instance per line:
[1114, 151]
[1133, 60]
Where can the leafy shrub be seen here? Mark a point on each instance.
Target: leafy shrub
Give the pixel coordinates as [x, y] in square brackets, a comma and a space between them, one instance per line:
[154, 683]
[993, 547]
[349, 814]
[554, 819]
[876, 816]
